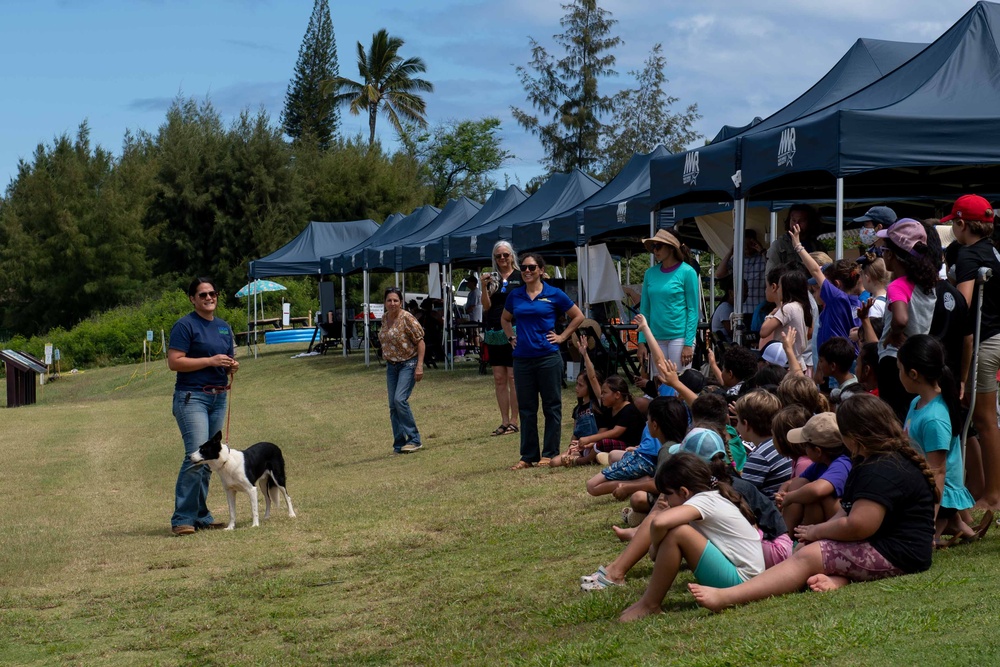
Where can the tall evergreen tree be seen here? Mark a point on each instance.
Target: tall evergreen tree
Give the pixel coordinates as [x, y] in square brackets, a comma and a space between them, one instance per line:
[643, 119]
[310, 114]
[565, 91]
[387, 83]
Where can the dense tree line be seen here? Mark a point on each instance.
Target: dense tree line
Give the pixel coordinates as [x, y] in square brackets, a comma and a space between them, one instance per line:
[82, 231]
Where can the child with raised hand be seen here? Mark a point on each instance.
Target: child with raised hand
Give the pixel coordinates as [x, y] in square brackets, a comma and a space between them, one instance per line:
[588, 405]
[622, 429]
[765, 468]
[708, 525]
[789, 417]
[813, 497]
[885, 527]
[666, 417]
[794, 311]
[839, 285]
[934, 423]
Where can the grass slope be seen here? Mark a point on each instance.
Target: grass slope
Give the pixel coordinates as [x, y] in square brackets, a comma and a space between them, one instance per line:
[441, 557]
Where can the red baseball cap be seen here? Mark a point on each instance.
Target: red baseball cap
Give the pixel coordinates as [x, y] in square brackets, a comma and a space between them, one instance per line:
[971, 207]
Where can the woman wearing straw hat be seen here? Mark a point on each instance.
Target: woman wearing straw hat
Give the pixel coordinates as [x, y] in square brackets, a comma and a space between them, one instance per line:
[670, 300]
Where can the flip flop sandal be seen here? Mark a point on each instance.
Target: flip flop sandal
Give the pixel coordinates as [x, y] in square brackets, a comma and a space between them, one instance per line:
[510, 428]
[522, 465]
[499, 430]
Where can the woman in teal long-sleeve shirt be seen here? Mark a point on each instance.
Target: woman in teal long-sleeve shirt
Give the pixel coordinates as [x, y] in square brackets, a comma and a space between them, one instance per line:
[670, 300]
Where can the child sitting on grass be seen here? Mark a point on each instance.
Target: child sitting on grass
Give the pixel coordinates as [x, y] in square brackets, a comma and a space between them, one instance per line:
[666, 421]
[814, 496]
[588, 405]
[708, 525]
[765, 467]
[623, 430]
[885, 527]
[792, 416]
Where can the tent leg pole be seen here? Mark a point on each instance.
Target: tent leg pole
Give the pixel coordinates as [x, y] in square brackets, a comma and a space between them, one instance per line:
[711, 284]
[652, 233]
[739, 223]
[774, 227]
[365, 320]
[343, 315]
[839, 250]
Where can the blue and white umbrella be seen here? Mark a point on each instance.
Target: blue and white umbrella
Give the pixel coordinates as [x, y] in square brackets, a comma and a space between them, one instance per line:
[259, 287]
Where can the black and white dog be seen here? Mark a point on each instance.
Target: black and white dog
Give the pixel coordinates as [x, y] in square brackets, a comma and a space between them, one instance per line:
[242, 470]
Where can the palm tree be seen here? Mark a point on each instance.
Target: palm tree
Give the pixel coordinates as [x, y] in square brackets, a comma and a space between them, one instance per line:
[386, 82]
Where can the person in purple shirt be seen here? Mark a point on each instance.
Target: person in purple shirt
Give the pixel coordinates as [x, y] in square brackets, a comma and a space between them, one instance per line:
[839, 288]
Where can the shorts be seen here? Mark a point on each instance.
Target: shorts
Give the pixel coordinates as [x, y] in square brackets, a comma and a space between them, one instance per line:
[610, 445]
[776, 550]
[857, 561]
[988, 365]
[501, 355]
[631, 466]
[715, 570]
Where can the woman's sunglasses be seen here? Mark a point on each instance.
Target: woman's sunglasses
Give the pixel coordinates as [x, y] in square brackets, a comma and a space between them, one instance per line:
[502, 255]
[208, 295]
[656, 246]
[529, 267]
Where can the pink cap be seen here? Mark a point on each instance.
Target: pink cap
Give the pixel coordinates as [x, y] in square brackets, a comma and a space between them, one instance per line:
[905, 233]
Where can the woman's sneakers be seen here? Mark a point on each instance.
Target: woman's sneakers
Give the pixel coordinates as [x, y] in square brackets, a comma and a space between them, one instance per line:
[182, 530]
[411, 447]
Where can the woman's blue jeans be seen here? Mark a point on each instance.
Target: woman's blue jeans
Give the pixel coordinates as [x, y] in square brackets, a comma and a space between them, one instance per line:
[399, 381]
[199, 416]
[540, 376]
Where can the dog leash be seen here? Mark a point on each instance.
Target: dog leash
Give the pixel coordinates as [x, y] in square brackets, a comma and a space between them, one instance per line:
[229, 403]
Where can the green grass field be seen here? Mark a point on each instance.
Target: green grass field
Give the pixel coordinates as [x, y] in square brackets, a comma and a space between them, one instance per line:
[440, 557]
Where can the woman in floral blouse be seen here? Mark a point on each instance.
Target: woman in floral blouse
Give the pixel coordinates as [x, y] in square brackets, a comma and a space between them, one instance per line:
[402, 340]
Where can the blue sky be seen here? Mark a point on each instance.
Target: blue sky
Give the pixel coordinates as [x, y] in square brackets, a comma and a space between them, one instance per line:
[119, 64]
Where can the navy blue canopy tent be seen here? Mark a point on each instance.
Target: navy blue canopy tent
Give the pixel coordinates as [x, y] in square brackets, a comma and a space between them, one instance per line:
[301, 255]
[420, 248]
[623, 202]
[559, 194]
[497, 205]
[381, 255]
[928, 127]
[714, 171]
[352, 260]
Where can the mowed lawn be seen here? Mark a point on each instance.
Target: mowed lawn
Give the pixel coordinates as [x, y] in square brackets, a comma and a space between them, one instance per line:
[440, 557]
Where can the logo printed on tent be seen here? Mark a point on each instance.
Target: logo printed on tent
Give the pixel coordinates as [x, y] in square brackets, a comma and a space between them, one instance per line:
[622, 206]
[691, 170]
[786, 147]
[545, 230]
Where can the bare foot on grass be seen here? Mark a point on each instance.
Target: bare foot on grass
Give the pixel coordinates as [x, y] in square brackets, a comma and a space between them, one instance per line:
[624, 534]
[708, 597]
[822, 583]
[637, 611]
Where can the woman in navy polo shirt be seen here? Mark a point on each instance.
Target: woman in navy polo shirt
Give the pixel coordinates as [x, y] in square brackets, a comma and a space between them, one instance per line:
[201, 352]
[538, 366]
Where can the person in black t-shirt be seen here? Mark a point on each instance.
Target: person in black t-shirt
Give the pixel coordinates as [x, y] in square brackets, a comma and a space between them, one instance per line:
[972, 222]
[885, 527]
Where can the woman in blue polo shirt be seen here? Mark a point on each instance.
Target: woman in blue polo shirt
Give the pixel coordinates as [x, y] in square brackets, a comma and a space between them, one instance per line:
[201, 352]
[538, 366]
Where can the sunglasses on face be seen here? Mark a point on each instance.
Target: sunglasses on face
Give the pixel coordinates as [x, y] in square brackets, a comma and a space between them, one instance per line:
[529, 267]
[502, 255]
[208, 295]
[656, 246]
